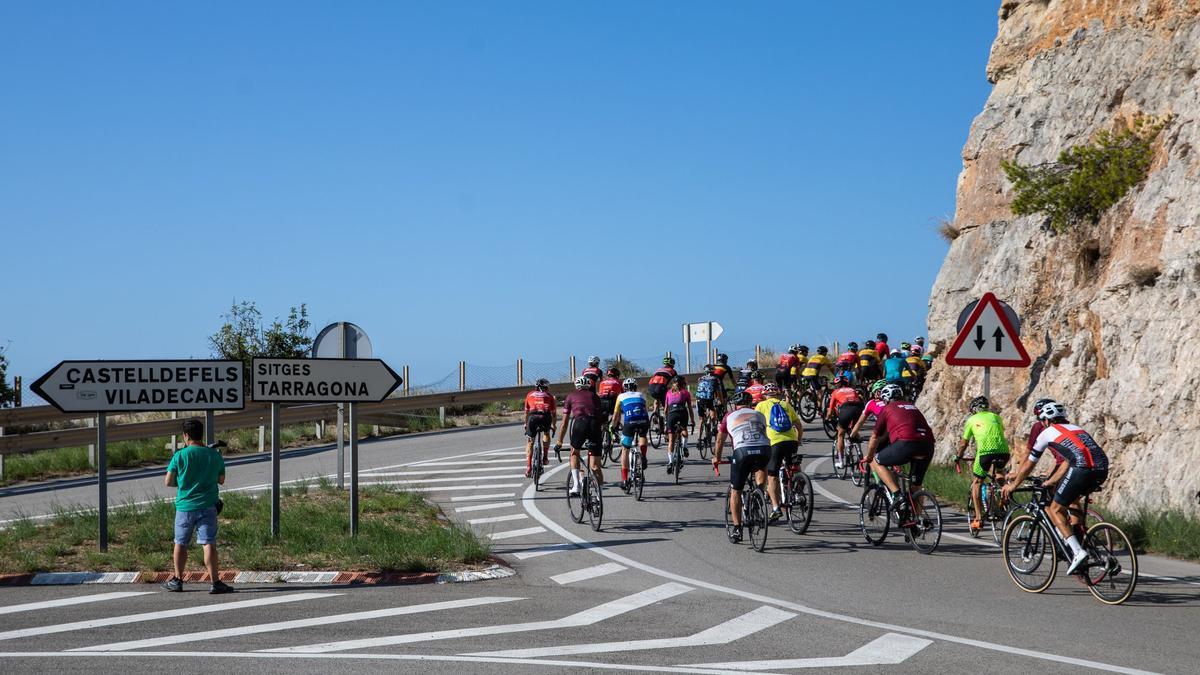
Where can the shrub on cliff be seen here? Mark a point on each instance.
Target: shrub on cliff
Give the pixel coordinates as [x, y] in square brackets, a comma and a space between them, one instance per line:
[1087, 179]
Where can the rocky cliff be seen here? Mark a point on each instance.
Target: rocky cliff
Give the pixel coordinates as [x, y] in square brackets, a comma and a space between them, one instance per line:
[1111, 313]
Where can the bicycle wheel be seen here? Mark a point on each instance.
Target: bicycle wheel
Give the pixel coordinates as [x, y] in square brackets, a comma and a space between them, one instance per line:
[853, 460]
[656, 430]
[1111, 568]
[613, 442]
[728, 519]
[677, 458]
[800, 505]
[833, 456]
[808, 406]
[575, 501]
[874, 515]
[536, 465]
[926, 534]
[1029, 555]
[756, 515]
[704, 443]
[639, 478]
[830, 428]
[595, 501]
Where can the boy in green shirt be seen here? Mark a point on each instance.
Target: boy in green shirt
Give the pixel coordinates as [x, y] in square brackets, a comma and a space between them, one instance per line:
[991, 451]
[196, 471]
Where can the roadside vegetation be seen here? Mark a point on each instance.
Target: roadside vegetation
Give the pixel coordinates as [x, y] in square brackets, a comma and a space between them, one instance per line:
[1168, 533]
[398, 532]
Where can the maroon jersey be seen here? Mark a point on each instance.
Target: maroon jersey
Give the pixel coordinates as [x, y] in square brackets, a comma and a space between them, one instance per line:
[901, 421]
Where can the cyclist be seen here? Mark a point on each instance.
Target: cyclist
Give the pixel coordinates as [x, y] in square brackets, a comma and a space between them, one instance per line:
[756, 389]
[894, 367]
[710, 396]
[593, 372]
[723, 371]
[872, 409]
[816, 363]
[919, 342]
[868, 362]
[847, 362]
[679, 415]
[881, 345]
[783, 432]
[788, 361]
[914, 370]
[608, 391]
[581, 412]
[743, 378]
[845, 406]
[1087, 470]
[634, 422]
[660, 380]
[910, 441]
[747, 428]
[540, 416]
[991, 451]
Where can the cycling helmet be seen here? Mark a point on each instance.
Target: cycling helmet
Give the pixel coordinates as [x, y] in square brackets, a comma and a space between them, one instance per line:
[1039, 404]
[681, 380]
[668, 361]
[794, 348]
[927, 358]
[629, 384]
[891, 392]
[916, 350]
[756, 375]
[841, 381]
[1052, 411]
[613, 372]
[881, 336]
[822, 349]
[920, 341]
[582, 382]
[852, 346]
[722, 358]
[879, 384]
[895, 352]
[752, 365]
[708, 369]
[593, 360]
[905, 345]
[771, 389]
[741, 398]
[870, 344]
[541, 384]
[803, 349]
[979, 403]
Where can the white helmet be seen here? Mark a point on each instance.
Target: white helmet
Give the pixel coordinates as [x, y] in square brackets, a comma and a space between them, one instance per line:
[582, 382]
[593, 360]
[891, 392]
[1052, 411]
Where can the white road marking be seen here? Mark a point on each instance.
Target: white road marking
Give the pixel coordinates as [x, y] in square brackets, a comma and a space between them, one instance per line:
[509, 534]
[436, 472]
[165, 614]
[289, 625]
[479, 463]
[506, 451]
[498, 519]
[531, 506]
[890, 649]
[723, 633]
[476, 498]
[586, 617]
[542, 550]
[442, 488]
[587, 573]
[484, 507]
[421, 481]
[63, 602]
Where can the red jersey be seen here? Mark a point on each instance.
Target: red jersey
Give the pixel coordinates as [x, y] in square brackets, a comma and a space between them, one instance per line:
[610, 387]
[756, 393]
[847, 358]
[882, 349]
[538, 401]
[788, 360]
[901, 421]
[593, 372]
[663, 375]
[842, 396]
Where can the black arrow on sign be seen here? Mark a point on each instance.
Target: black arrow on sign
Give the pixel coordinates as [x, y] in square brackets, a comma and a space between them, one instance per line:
[979, 338]
[999, 335]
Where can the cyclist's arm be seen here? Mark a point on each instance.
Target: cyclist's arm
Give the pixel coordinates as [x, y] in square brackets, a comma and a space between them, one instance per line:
[1060, 470]
[861, 420]
[566, 416]
[962, 448]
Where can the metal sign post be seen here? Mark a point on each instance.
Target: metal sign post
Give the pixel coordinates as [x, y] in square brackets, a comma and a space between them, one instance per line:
[102, 476]
[353, 470]
[341, 444]
[274, 469]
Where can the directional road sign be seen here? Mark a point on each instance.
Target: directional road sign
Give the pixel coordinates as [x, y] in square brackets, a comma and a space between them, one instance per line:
[129, 386]
[988, 337]
[699, 332]
[322, 380]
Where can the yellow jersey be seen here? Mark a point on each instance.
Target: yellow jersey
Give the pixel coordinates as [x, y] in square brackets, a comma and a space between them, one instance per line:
[868, 357]
[773, 436]
[815, 363]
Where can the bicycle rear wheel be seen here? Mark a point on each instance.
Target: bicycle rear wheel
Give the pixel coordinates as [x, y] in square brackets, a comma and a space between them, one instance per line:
[677, 457]
[927, 532]
[656, 430]
[1029, 554]
[800, 506]
[614, 446]
[729, 528]
[639, 479]
[808, 406]
[1112, 567]
[535, 469]
[575, 501]
[704, 444]
[830, 428]
[833, 457]
[874, 515]
[853, 460]
[756, 514]
[595, 501]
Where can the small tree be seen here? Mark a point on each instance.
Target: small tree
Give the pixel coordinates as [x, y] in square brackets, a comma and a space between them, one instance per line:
[627, 368]
[242, 336]
[8, 397]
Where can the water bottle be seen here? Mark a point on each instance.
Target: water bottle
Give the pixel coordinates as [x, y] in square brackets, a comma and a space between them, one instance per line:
[983, 496]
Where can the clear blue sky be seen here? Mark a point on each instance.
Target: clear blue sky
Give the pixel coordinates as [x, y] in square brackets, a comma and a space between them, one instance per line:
[477, 180]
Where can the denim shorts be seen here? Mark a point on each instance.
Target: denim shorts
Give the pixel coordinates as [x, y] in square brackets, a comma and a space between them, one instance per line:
[202, 522]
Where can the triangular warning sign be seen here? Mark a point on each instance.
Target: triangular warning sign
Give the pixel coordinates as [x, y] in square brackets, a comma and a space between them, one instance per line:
[988, 339]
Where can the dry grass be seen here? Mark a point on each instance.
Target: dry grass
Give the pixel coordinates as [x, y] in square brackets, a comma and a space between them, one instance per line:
[947, 230]
[1144, 275]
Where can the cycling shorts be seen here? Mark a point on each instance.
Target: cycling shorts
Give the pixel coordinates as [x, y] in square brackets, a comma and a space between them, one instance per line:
[918, 453]
[781, 452]
[703, 405]
[783, 378]
[848, 414]
[870, 373]
[1077, 483]
[607, 405]
[744, 462]
[658, 392]
[985, 463]
[538, 423]
[586, 430]
[677, 419]
[633, 430]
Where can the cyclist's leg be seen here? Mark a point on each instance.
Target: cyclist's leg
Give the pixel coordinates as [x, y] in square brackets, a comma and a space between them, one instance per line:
[775, 460]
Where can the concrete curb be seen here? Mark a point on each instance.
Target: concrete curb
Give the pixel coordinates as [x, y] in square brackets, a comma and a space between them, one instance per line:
[496, 571]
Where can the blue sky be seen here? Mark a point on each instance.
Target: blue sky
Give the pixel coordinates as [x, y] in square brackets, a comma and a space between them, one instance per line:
[477, 180]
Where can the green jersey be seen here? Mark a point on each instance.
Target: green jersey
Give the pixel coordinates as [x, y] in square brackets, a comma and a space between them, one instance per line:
[196, 470]
[987, 429]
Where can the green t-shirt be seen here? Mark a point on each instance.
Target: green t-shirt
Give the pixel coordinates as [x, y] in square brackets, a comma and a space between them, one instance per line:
[987, 429]
[196, 470]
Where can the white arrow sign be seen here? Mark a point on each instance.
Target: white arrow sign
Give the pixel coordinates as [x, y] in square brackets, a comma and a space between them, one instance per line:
[698, 332]
[322, 380]
[988, 338]
[129, 386]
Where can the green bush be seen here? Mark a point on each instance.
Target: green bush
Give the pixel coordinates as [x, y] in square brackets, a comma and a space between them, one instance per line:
[1087, 179]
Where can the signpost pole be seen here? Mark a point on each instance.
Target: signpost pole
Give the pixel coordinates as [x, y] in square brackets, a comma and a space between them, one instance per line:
[341, 442]
[687, 356]
[102, 476]
[987, 382]
[353, 470]
[708, 348]
[274, 470]
[210, 428]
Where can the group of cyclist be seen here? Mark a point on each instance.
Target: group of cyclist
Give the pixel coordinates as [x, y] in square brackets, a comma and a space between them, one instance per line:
[765, 430]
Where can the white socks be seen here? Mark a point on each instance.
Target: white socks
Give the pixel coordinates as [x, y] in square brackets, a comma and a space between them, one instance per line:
[1073, 542]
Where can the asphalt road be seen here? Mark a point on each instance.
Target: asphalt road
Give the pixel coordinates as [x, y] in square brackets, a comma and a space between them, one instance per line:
[658, 589]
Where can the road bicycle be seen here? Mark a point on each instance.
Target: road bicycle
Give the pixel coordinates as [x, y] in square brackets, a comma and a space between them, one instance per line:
[538, 466]
[589, 501]
[995, 512]
[755, 512]
[656, 429]
[851, 456]
[1032, 547]
[920, 516]
[704, 440]
[811, 398]
[675, 453]
[637, 471]
[611, 445]
[796, 492]
[829, 425]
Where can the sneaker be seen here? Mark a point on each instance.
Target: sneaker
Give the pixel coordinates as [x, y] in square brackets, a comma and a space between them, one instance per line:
[685, 451]
[775, 515]
[1077, 561]
[574, 491]
[839, 463]
[220, 587]
[670, 468]
[174, 584]
[735, 536]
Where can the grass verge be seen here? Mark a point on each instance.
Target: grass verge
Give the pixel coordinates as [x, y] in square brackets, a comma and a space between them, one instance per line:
[398, 532]
[1168, 533]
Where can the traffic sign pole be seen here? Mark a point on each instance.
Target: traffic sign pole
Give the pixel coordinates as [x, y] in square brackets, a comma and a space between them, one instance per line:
[210, 428]
[341, 449]
[102, 476]
[274, 470]
[987, 382]
[353, 470]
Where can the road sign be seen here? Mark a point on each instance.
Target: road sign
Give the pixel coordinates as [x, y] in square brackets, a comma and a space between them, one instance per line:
[322, 380]
[130, 386]
[1013, 319]
[988, 337]
[342, 340]
[699, 332]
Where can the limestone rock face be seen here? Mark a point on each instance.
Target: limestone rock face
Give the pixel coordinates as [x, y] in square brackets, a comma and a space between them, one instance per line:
[1111, 312]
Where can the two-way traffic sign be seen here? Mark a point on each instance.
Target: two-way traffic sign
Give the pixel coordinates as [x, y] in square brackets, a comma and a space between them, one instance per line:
[322, 380]
[988, 338]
